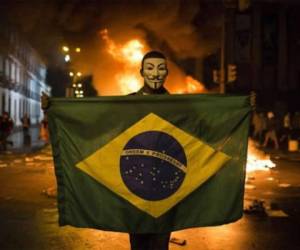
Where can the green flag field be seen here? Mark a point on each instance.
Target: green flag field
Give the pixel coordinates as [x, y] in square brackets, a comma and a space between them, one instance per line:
[149, 164]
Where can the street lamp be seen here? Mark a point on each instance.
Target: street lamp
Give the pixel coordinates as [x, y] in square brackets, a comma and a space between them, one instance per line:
[76, 88]
[67, 58]
[72, 89]
[65, 48]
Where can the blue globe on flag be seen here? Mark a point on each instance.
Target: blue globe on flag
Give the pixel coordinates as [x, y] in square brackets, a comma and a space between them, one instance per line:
[153, 165]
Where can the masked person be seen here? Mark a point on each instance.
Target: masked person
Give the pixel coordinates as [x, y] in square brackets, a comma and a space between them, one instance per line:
[154, 70]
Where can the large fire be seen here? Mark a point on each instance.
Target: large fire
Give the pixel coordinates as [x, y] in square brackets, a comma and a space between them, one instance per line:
[131, 52]
[130, 55]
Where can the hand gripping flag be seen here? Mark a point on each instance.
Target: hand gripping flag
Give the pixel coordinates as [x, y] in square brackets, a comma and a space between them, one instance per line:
[149, 163]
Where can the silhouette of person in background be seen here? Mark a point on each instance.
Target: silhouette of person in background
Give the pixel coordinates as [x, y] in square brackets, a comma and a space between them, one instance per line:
[26, 125]
[6, 126]
[271, 131]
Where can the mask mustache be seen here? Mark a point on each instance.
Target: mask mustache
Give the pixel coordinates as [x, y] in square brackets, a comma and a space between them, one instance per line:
[155, 77]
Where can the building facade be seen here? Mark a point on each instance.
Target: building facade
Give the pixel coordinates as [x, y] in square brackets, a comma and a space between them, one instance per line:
[264, 43]
[22, 77]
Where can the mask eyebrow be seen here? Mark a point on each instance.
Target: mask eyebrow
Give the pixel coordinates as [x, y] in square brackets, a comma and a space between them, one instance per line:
[149, 64]
[164, 64]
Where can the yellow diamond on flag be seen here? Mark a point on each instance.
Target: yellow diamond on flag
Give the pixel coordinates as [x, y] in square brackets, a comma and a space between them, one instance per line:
[153, 164]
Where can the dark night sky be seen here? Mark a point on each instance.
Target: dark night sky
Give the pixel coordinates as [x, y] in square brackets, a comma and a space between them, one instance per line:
[183, 25]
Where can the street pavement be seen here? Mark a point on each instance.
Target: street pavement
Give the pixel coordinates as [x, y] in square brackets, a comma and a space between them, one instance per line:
[25, 144]
[28, 217]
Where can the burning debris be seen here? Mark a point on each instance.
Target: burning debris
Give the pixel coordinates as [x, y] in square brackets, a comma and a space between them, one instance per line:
[284, 185]
[257, 159]
[256, 207]
[262, 208]
[50, 192]
[3, 165]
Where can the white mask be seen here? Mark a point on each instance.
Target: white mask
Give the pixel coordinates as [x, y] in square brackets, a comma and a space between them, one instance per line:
[154, 71]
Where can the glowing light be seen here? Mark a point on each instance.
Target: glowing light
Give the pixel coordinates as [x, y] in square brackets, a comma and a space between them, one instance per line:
[128, 83]
[67, 58]
[194, 86]
[78, 50]
[65, 48]
[133, 51]
[79, 74]
[74, 85]
[71, 74]
[79, 85]
[179, 91]
[130, 55]
[191, 86]
[258, 160]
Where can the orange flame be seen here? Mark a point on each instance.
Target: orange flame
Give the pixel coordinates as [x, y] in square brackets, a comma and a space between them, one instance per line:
[133, 51]
[129, 55]
[191, 86]
[194, 86]
[257, 159]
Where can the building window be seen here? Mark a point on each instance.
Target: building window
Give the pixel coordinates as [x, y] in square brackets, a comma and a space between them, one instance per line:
[20, 108]
[13, 71]
[15, 110]
[24, 107]
[7, 68]
[17, 73]
[3, 103]
[9, 105]
[1, 64]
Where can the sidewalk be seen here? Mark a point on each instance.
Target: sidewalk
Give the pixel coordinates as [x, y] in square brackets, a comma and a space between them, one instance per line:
[21, 146]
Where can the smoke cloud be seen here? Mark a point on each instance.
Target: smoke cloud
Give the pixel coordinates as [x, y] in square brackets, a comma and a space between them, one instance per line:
[179, 28]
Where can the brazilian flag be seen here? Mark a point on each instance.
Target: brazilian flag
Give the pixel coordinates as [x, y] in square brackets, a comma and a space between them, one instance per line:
[149, 164]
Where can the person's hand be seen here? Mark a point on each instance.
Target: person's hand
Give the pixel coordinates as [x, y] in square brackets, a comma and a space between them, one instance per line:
[45, 101]
[253, 100]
